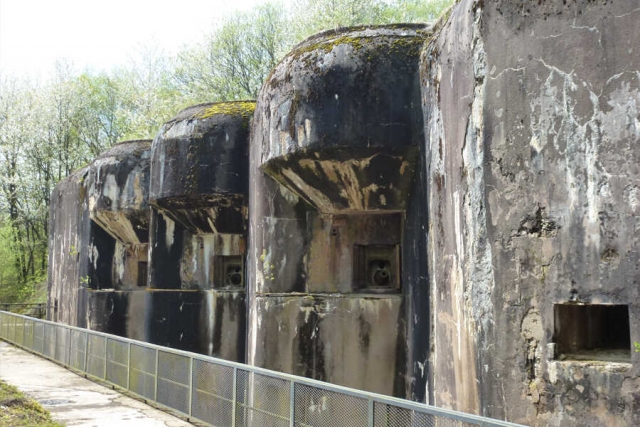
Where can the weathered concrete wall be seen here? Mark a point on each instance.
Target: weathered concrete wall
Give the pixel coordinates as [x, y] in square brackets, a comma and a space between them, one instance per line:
[199, 193]
[206, 322]
[68, 251]
[117, 312]
[334, 206]
[118, 200]
[98, 235]
[198, 230]
[117, 197]
[100, 251]
[199, 167]
[118, 191]
[351, 341]
[532, 128]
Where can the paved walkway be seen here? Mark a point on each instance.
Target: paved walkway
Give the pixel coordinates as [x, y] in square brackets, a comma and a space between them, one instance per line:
[74, 400]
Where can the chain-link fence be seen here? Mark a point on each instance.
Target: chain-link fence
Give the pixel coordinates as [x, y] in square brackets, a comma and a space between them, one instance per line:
[217, 392]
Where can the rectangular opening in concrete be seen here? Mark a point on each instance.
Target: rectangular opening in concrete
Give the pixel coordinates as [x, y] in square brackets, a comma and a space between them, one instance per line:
[142, 274]
[356, 252]
[229, 272]
[592, 332]
[377, 268]
[101, 248]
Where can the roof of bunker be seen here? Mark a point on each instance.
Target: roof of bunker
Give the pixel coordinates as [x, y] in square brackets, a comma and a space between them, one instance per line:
[126, 148]
[391, 35]
[243, 109]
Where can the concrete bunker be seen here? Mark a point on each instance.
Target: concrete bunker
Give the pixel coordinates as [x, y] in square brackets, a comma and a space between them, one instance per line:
[117, 192]
[335, 150]
[198, 193]
[508, 177]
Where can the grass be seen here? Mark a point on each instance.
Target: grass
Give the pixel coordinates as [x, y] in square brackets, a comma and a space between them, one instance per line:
[17, 410]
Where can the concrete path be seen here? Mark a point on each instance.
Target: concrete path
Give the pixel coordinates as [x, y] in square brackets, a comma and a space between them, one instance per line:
[74, 400]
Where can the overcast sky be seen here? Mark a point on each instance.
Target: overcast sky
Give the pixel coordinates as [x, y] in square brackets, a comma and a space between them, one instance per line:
[100, 34]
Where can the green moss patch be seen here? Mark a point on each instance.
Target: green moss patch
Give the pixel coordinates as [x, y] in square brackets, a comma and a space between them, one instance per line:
[17, 410]
[354, 37]
[238, 108]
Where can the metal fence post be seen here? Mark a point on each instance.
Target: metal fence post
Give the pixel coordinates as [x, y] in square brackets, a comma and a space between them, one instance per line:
[55, 341]
[155, 387]
[128, 365]
[69, 343]
[371, 414]
[292, 404]
[26, 341]
[234, 398]
[33, 336]
[104, 374]
[190, 384]
[86, 351]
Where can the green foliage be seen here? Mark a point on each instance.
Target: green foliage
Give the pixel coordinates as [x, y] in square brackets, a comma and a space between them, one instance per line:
[14, 288]
[101, 118]
[313, 16]
[234, 60]
[637, 346]
[9, 275]
[416, 10]
[317, 15]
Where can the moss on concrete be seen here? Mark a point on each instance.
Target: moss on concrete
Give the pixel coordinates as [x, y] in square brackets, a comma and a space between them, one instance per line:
[236, 108]
[379, 37]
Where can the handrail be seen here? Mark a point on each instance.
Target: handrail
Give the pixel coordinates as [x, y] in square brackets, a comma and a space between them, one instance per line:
[38, 309]
[253, 395]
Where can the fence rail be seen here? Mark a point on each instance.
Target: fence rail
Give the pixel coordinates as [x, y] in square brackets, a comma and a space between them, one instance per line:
[38, 310]
[218, 392]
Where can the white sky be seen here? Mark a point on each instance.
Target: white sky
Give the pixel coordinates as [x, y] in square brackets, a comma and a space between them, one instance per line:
[100, 34]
